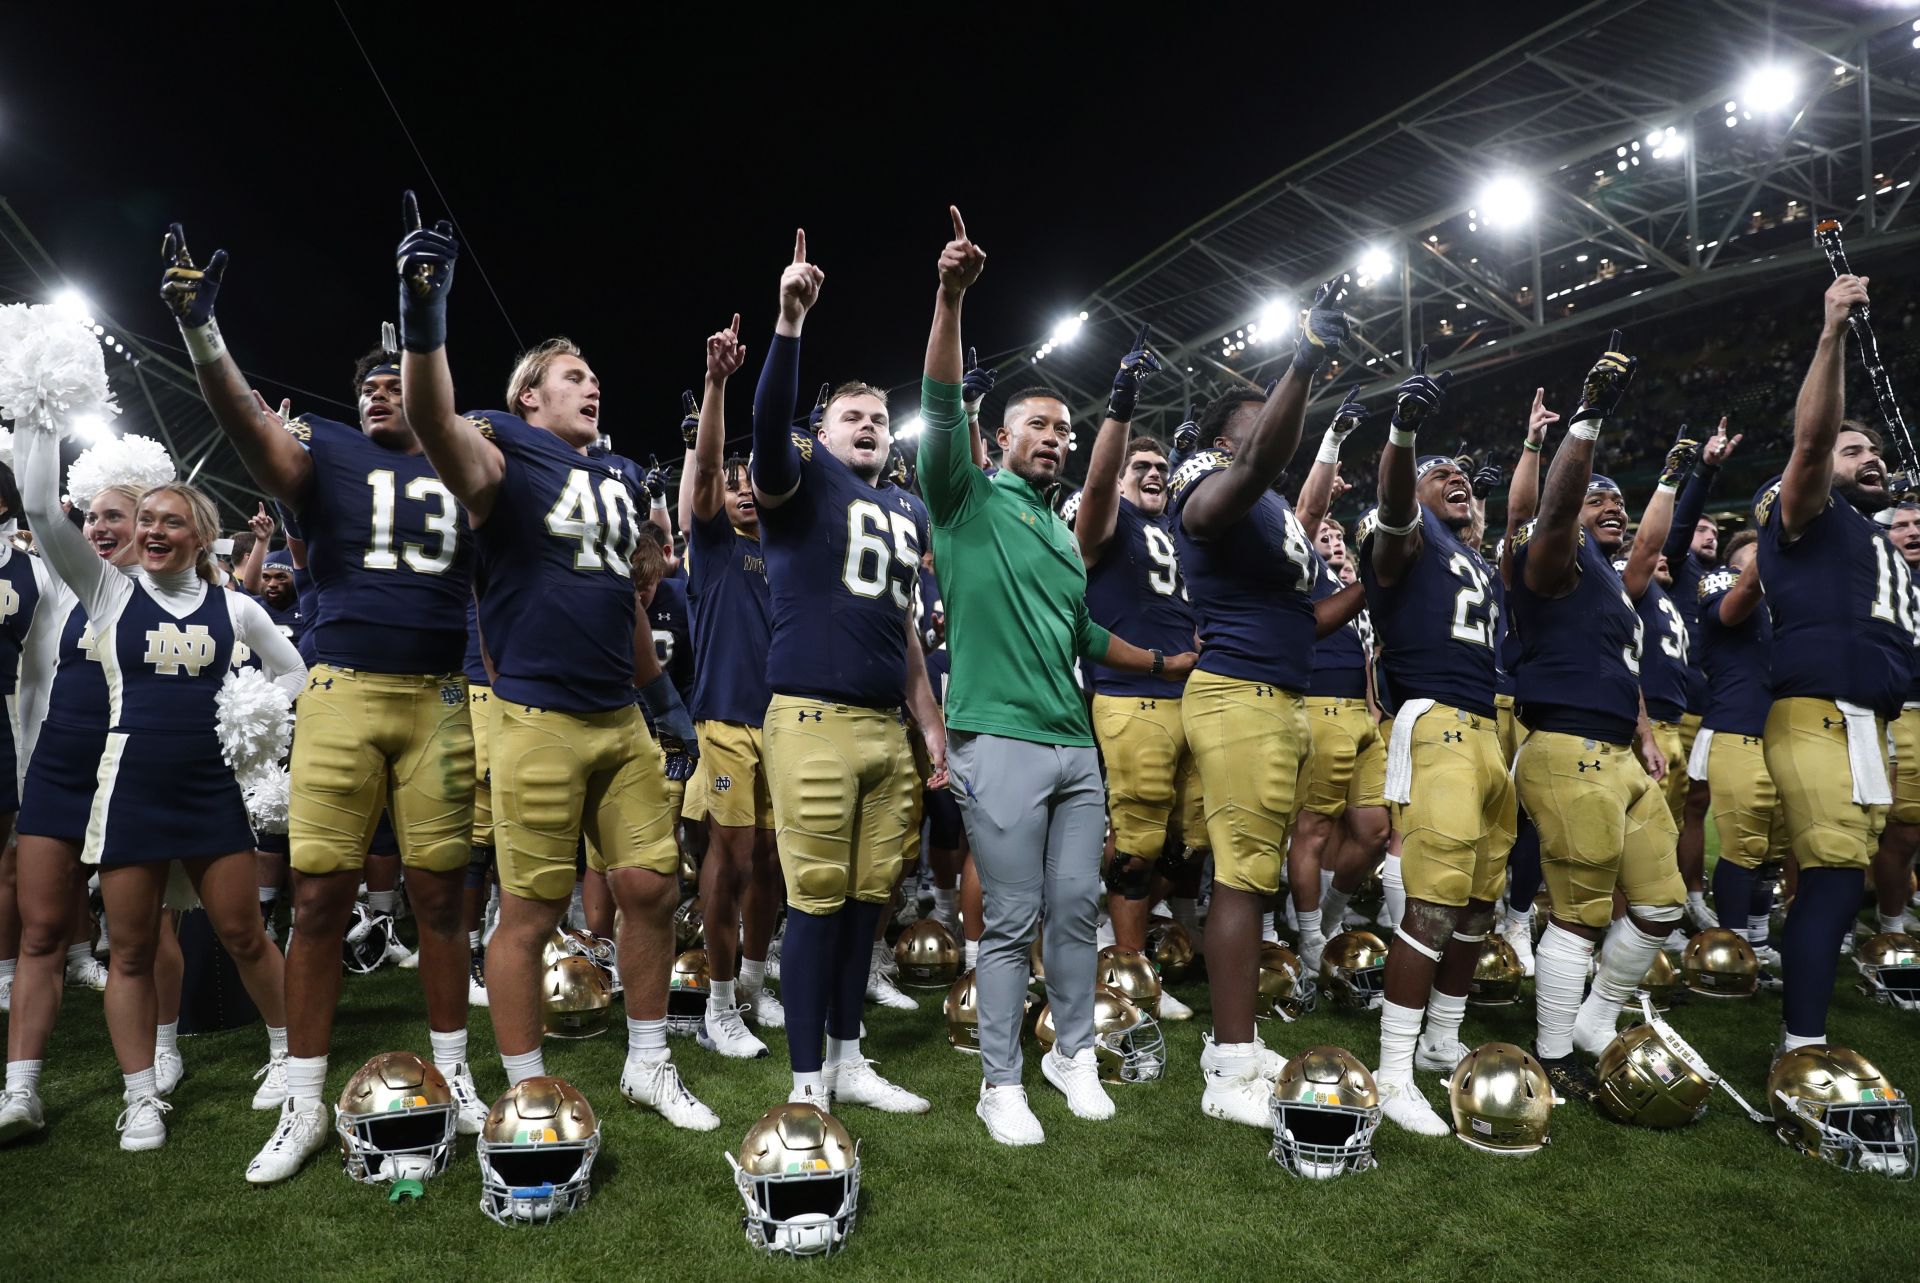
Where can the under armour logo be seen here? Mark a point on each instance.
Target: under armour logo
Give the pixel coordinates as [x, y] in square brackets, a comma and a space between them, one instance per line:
[1829, 723]
[1451, 737]
[1148, 705]
[1263, 692]
[805, 713]
[1329, 711]
[9, 601]
[479, 697]
[1588, 766]
[1749, 739]
[318, 683]
[171, 648]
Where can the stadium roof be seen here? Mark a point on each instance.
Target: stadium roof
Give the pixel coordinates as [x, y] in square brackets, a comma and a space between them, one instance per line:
[1626, 155]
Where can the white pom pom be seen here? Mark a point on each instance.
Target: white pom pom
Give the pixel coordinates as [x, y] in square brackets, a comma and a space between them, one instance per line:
[6, 448]
[137, 461]
[255, 720]
[52, 369]
[268, 795]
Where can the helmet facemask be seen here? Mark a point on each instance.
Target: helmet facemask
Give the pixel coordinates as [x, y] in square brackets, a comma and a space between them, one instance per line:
[531, 1182]
[406, 1142]
[1321, 1141]
[799, 1212]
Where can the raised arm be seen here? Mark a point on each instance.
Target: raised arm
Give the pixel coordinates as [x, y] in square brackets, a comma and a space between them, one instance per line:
[1100, 496]
[950, 477]
[1808, 480]
[1649, 541]
[1554, 544]
[272, 457]
[1692, 503]
[471, 465]
[1523, 492]
[1396, 529]
[251, 568]
[776, 461]
[1743, 598]
[36, 469]
[1317, 492]
[706, 471]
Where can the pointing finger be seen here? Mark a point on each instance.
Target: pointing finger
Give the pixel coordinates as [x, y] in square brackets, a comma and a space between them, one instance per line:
[687, 403]
[409, 212]
[1420, 360]
[959, 224]
[1140, 339]
[735, 327]
[973, 359]
[1613, 343]
[799, 244]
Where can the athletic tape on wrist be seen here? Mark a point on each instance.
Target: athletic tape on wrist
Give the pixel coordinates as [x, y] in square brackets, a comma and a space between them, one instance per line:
[1667, 487]
[1329, 449]
[204, 343]
[1586, 429]
[1402, 437]
[659, 503]
[1380, 524]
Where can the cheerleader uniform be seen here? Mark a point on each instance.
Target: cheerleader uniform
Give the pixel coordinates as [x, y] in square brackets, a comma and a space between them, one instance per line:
[64, 730]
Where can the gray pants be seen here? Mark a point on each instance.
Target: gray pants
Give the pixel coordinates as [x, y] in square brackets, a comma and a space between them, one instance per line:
[1036, 817]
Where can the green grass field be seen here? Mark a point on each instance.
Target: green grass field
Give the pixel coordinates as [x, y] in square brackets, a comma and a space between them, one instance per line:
[1161, 1192]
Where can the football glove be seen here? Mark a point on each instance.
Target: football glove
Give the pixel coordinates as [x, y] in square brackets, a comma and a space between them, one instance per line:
[680, 763]
[1323, 329]
[1187, 435]
[689, 419]
[976, 382]
[425, 262]
[1486, 479]
[655, 480]
[819, 410]
[1420, 395]
[1135, 366]
[1680, 460]
[188, 290]
[1606, 383]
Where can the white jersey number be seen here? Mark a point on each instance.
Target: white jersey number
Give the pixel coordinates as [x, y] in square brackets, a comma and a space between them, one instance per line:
[607, 532]
[442, 522]
[1469, 600]
[868, 550]
[1674, 644]
[1632, 653]
[1165, 577]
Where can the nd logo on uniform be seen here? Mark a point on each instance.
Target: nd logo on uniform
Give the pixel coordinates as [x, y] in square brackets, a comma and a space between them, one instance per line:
[9, 601]
[172, 649]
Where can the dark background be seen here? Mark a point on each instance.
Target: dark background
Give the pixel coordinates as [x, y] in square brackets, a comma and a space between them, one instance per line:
[631, 177]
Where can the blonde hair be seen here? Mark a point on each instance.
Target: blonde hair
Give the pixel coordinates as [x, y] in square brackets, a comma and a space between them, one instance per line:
[530, 371]
[855, 388]
[205, 519]
[132, 494]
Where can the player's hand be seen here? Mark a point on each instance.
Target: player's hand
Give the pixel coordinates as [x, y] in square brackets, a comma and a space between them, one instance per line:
[1187, 435]
[682, 757]
[819, 410]
[1655, 760]
[961, 262]
[1135, 367]
[1720, 446]
[656, 480]
[1843, 296]
[1347, 418]
[1539, 418]
[1339, 486]
[725, 355]
[1606, 383]
[690, 407]
[1420, 395]
[1323, 328]
[189, 290]
[1680, 459]
[976, 382]
[897, 469]
[935, 738]
[1177, 667]
[1486, 479]
[800, 283]
[261, 524]
[284, 413]
[425, 262]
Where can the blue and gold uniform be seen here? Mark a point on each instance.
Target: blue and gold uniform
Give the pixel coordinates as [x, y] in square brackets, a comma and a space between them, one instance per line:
[19, 602]
[1904, 734]
[1245, 709]
[383, 721]
[58, 793]
[1603, 822]
[480, 710]
[732, 629]
[1349, 753]
[1666, 684]
[1453, 801]
[1843, 613]
[1746, 807]
[1134, 591]
[557, 612]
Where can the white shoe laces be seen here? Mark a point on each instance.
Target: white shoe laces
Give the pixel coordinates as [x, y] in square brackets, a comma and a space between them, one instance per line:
[137, 1108]
[292, 1123]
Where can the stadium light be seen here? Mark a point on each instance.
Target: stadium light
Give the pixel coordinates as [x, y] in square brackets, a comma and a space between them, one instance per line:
[89, 427]
[1770, 88]
[911, 428]
[73, 305]
[1374, 264]
[1066, 329]
[1505, 202]
[1277, 318]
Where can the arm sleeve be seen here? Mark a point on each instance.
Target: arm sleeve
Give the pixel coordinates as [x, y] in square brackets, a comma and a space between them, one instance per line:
[1686, 512]
[1090, 640]
[97, 585]
[776, 463]
[39, 655]
[949, 481]
[280, 661]
[668, 713]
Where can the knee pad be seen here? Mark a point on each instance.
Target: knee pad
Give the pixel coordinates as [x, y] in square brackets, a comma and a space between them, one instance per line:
[1661, 913]
[1128, 877]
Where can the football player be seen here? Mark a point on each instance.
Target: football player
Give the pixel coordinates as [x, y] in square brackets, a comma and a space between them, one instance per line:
[383, 721]
[1602, 821]
[1842, 663]
[480, 877]
[1249, 568]
[1893, 861]
[842, 554]
[1430, 595]
[555, 521]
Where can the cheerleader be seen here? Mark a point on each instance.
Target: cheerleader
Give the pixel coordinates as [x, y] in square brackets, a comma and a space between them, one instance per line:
[164, 639]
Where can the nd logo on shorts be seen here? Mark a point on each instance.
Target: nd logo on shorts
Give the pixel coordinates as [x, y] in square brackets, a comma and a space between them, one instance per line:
[721, 783]
[451, 696]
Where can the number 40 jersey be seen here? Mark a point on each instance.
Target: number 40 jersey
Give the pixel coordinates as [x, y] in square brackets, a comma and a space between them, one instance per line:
[1438, 625]
[390, 555]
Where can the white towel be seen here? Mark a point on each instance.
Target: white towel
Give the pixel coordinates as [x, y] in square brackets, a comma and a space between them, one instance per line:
[1697, 760]
[1870, 787]
[1400, 750]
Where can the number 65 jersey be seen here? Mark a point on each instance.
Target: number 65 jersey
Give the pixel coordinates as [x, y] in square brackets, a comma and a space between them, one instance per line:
[1439, 624]
[389, 552]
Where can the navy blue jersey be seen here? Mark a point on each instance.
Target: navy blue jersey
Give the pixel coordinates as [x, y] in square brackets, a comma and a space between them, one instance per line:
[291, 622]
[1438, 625]
[19, 602]
[1579, 671]
[1250, 586]
[1506, 647]
[390, 554]
[1913, 686]
[474, 664]
[732, 622]
[1134, 592]
[78, 697]
[557, 604]
[939, 673]
[1687, 570]
[1736, 659]
[672, 622]
[843, 559]
[1664, 678]
[162, 673]
[1339, 658]
[1842, 608]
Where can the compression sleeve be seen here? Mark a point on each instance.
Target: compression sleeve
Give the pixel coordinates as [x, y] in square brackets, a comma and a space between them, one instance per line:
[776, 462]
[1686, 512]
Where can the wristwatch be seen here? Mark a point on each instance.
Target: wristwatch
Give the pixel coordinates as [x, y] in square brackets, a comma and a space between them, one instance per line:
[1159, 664]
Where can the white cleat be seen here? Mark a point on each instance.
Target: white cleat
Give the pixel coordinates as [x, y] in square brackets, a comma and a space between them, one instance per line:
[1518, 932]
[887, 994]
[656, 1084]
[808, 1096]
[168, 1069]
[1441, 1057]
[1103, 934]
[298, 1136]
[951, 921]
[908, 913]
[855, 1082]
[884, 963]
[6, 993]
[1312, 945]
[411, 962]
[469, 1111]
[1171, 1008]
[1354, 920]
[87, 972]
[723, 1031]
[143, 1124]
[273, 1084]
[21, 1114]
[766, 1009]
[1078, 1078]
[1239, 1096]
[1008, 1118]
[1767, 956]
[1402, 1102]
[477, 986]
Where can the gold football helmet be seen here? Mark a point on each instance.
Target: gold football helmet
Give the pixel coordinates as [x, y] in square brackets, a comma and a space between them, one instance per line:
[1127, 1044]
[1131, 974]
[1651, 1077]
[928, 957]
[689, 925]
[1325, 1111]
[1890, 969]
[575, 998]
[1501, 1100]
[1037, 965]
[689, 874]
[1170, 945]
[1497, 974]
[1286, 990]
[1662, 981]
[1831, 1102]
[395, 1120]
[962, 1010]
[536, 1152]
[799, 1175]
[1719, 963]
[1353, 969]
[688, 985]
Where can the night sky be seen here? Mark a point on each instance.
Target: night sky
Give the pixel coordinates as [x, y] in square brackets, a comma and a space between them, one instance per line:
[632, 176]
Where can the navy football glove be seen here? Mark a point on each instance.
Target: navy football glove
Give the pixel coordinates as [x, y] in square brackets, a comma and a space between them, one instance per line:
[1187, 435]
[689, 419]
[1680, 460]
[425, 261]
[819, 411]
[1419, 396]
[977, 381]
[680, 762]
[189, 290]
[1606, 383]
[1323, 329]
[1135, 366]
[655, 481]
[1486, 479]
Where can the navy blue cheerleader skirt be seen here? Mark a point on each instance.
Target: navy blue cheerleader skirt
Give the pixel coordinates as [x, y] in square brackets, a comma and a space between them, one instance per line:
[61, 774]
[164, 796]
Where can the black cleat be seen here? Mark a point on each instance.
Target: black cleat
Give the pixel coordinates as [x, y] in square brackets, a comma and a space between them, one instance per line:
[1570, 1078]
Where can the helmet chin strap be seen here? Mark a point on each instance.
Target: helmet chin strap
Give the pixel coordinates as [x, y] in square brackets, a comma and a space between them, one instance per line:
[1646, 1008]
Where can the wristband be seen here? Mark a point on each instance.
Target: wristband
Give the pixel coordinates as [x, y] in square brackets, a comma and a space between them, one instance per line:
[204, 343]
[659, 503]
[1329, 448]
[1380, 525]
[1666, 488]
[1402, 437]
[1531, 445]
[1159, 664]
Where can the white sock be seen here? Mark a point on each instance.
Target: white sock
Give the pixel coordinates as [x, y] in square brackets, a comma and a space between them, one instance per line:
[1559, 981]
[1309, 921]
[140, 1084]
[1333, 906]
[78, 953]
[1326, 885]
[525, 1065]
[1399, 1030]
[944, 900]
[646, 1039]
[1518, 918]
[1790, 1041]
[719, 995]
[1185, 911]
[23, 1075]
[269, 894]
[1266, 924]
[813, 1081]
[1236, 1056]
[387, 902]
[449, 1049]
[1623, 965]
[841, 1050]
[6, 967]
[1759, 928]
[473, 941]
[1445, 1011]
[167, 1037]
[753, 975]
[1697, 901]
[973, 954]
[1394, 889]
[1886, 923]
[1292, 910]
[306, 1081]
[277, 1040]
